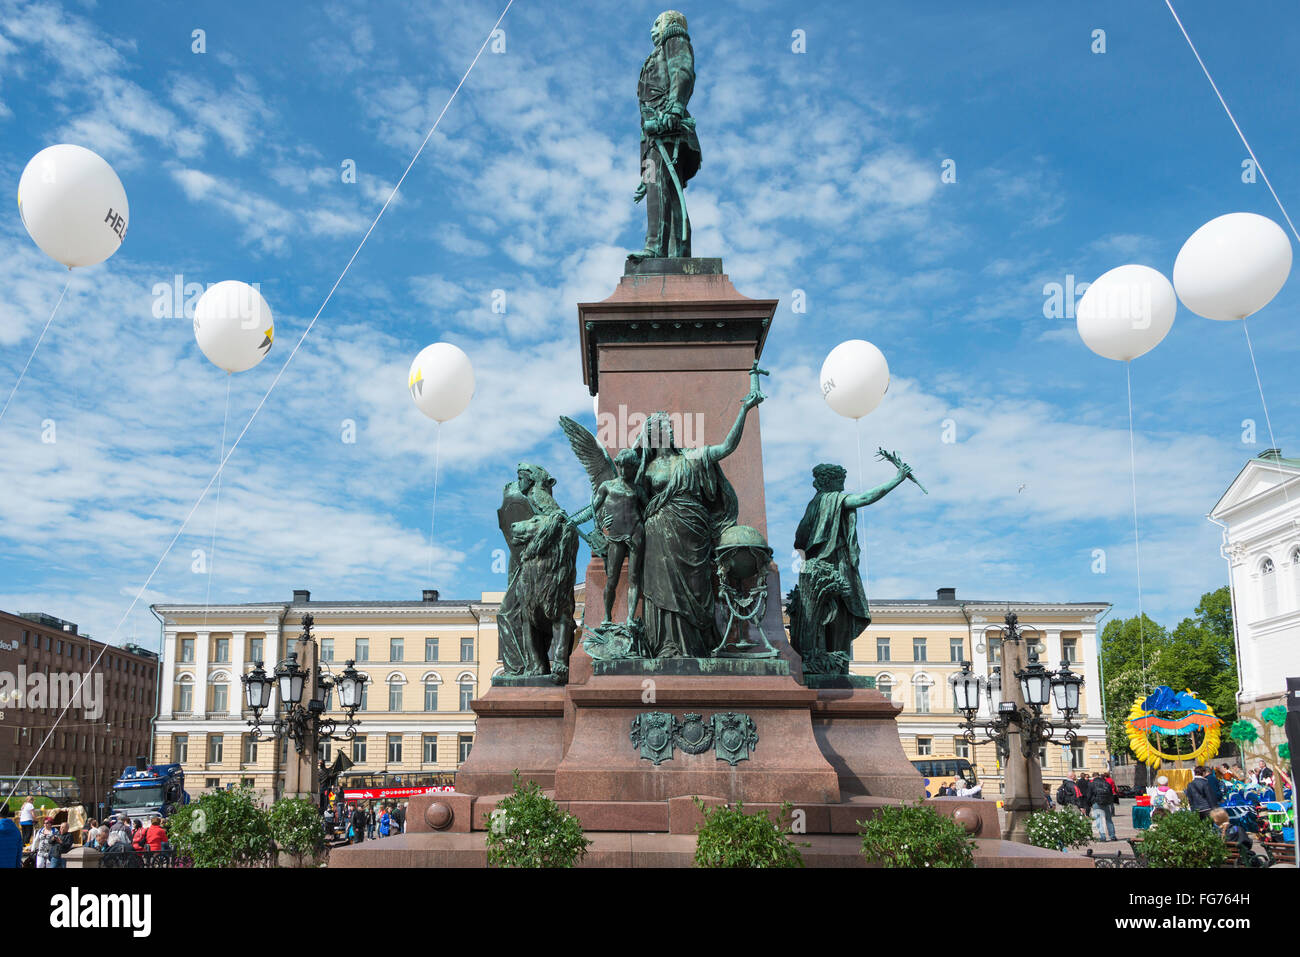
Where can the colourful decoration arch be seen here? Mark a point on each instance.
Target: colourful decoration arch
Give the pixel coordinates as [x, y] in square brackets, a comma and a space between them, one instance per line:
[1148, 714]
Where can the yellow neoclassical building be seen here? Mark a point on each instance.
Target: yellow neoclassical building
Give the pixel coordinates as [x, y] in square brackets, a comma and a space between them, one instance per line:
[913, 646]
[426, 660]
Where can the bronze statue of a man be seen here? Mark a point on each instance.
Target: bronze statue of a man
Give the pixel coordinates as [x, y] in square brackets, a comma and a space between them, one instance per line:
[828, 607]
[670, 151]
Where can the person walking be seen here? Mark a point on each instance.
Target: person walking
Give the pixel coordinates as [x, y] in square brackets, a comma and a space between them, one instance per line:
[357, 828]
[385, 822]
[59, 844]
[27, 819]
[155, 834]
[371, 821]
[1101, 796]
[11, 838]
[1084, 786]
[41, 843]
[1202, 795]
[1065, 793]
[399, 818]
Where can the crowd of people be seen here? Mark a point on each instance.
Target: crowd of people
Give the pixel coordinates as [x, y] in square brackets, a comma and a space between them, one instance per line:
[363, 820]
[40, 841]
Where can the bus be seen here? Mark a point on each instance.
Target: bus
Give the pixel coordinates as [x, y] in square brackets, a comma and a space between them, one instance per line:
[941, 769]
[47, 790]
[380, 785]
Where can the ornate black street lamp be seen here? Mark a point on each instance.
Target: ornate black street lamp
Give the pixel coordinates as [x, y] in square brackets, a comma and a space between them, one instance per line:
[306, 724]
[1037, 687]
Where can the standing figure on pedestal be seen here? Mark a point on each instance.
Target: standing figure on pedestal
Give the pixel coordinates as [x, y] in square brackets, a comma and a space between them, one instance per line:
[691, 505]
[535, 621]
[670, 150]
[828, 606]
[619, 505]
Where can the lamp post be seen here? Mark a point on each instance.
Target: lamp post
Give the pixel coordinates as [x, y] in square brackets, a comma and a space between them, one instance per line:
[1017, 725]
[304, 724]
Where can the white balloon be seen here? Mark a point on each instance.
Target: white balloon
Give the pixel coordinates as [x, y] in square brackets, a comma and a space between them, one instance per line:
[73, 205]
[1233, 266]
[441, 381]
[233, 325]
[1126, 312]
[854, 378]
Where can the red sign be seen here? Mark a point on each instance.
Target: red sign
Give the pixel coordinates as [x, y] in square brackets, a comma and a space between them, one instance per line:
[375, 794]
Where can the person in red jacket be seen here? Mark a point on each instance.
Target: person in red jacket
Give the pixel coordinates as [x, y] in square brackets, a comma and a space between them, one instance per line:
[154, 834]
[137, 837]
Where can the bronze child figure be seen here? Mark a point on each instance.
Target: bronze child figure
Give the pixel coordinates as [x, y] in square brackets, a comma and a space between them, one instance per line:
[620, 505]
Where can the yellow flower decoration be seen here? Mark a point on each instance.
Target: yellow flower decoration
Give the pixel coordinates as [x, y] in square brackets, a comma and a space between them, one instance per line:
[1140, 721]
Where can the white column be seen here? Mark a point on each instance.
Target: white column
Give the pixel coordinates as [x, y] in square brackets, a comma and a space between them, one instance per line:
[168, 671]
[202, 655]
[1091, 697]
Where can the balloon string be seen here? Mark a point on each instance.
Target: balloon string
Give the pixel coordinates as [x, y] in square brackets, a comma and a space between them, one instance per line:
[433, 515]
[1214, 86]
[262, 402]
[39, 338]
[216, 510]
[1272, 442]
[1137, 541]
[862, 525]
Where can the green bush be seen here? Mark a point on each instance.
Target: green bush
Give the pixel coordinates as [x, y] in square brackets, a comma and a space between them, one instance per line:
[222, 829]
[528, 829]
[729, 837]
[1058, 829]
[296, 828]
[1184, 839]
[914, 835]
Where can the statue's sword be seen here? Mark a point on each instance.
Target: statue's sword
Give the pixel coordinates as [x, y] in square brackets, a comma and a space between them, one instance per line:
[677, 184]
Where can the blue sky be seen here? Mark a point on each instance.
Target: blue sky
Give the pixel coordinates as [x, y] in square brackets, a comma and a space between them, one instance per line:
[821, 173]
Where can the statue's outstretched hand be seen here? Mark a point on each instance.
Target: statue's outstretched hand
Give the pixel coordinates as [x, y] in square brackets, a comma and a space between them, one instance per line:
[639, 194]
[904, 471]
[753, 399]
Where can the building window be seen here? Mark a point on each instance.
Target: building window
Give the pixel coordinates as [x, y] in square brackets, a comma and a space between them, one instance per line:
[431, 649]
[394, 749]
[1042, 756]
[187, 649]
[995, 653]
[463, 743]
[219, 696]
[184, 696]
[882, 649]
[956, 649]
[212, 784]
[326, 751]
[363, 649]
[181, 748]
[923, 687]
[254, 650]
[216, 748]
[246, 782]
[327, 649]
[924, 746]
[961, 748]
[466, 694]
[395, 696]
[359, 750]
[1077, 760]
[430, 696]
[467, 649]
[250, 749]
[885, 685]
[396, 649]
[365, 697]
[430, 744]
[918, 649]
[1269, 582]
[221, 650]
[1069, 651]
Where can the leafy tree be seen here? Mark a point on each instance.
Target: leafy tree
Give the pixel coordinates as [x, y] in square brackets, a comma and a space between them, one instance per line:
[732, 837]
[222, 829]
[1123, 645]
[914, 835]
[296, 827]
[528, 829]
